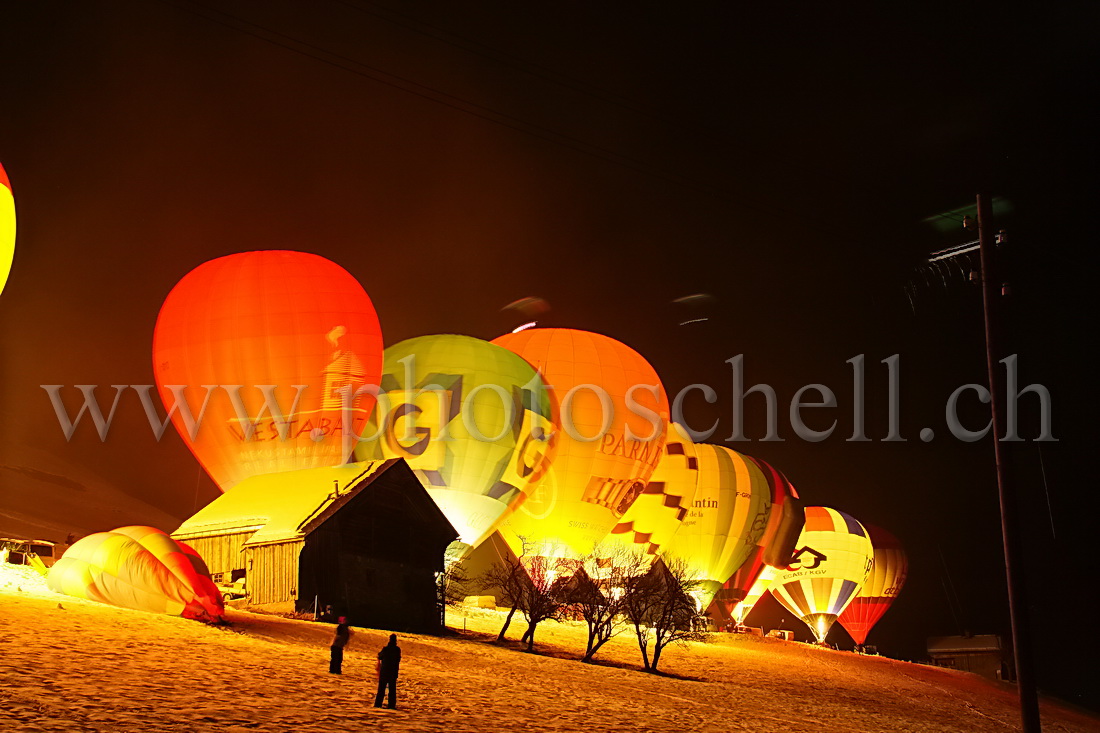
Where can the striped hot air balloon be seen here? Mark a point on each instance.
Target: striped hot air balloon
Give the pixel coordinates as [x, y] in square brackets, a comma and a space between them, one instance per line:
[727, 518]
[887, 577]
[833, 559]
[785, 521]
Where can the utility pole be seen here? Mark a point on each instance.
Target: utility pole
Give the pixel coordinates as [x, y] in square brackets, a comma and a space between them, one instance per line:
[1014, 570]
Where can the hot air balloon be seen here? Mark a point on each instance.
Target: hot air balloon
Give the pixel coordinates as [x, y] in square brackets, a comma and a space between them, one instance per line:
[472, 419]
[613, 411]
[777, 545]
[763, 581]
[283, 346]
[141, 568]
[786, 519]
[831, 563]
[891, 565]
[734, 590]
[656, 514]
[7, 227]
[727, 519]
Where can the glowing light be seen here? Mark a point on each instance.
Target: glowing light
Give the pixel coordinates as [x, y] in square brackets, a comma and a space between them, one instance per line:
[524, 327]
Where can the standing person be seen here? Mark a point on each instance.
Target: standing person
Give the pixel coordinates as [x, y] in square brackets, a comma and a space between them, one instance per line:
[343, 635]
[389, 661]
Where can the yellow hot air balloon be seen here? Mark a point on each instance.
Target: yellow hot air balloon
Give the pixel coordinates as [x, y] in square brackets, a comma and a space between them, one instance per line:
[7, 227]
[653, 518]
[727, 518]
[140, 568]
[831, 564]
[473, 420]
[613, 410]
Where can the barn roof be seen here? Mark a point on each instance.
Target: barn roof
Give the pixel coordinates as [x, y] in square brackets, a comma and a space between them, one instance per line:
[964, 644]
[278, 507]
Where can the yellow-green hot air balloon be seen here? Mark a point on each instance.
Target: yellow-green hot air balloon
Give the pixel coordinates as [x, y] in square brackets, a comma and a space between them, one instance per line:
[140, 568]
[474, 422]
[653, 518]
[7, 227]
[727, 518]
[830, 565]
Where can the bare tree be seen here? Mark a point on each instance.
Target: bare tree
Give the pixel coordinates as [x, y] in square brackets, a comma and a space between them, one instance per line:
[508, 578]
[600, 590]
[661, 609]
[545, 594]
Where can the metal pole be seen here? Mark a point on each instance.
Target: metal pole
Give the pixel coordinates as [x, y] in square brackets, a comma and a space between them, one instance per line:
[1017, 595]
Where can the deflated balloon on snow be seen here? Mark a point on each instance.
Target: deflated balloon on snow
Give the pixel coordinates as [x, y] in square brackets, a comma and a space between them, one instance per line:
[141, 568]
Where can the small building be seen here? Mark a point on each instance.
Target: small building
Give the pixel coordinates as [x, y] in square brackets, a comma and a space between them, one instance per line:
[365, 539]
[981, 654]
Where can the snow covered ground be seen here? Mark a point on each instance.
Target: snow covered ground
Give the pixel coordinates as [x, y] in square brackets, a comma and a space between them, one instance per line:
[71, 665]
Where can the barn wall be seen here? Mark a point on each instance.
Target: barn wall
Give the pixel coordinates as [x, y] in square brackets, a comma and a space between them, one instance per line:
[273, 572]
[222, 553]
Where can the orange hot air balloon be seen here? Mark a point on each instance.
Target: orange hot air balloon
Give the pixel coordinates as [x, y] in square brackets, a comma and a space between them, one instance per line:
[613, 410]
[141, 568]
[888, 573]
[276, 342]
[7, 227]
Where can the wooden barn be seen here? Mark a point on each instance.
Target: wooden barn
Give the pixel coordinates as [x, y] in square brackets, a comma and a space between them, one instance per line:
[365, 539]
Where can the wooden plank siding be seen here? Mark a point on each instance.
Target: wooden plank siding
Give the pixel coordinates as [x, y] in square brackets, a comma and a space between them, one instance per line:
[273, 572]
[222, 553]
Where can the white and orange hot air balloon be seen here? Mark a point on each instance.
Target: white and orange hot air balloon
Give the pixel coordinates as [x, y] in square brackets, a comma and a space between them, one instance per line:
[612, 410]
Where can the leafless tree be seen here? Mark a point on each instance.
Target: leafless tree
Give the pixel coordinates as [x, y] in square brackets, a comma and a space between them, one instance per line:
[661, 609]
[600, 590]
[545, 594]
[508, 578]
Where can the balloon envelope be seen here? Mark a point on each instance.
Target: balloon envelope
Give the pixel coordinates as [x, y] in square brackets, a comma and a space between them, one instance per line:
[605, 452]
[831, 563]
[786, 519]
[472, 419]
[888, 573]
[291, 323]
[653, 518]
[7, 227]
[727, 518]
[141, 568]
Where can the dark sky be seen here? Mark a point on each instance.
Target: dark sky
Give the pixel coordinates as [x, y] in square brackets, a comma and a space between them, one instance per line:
[608, 158]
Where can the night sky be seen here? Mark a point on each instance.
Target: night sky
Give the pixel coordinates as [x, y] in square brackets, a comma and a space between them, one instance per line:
[609, 158]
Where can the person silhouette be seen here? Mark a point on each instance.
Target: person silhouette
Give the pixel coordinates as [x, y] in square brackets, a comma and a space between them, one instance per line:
[343, 635]
[389, 662]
